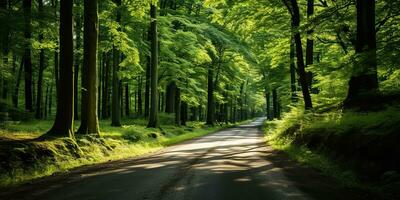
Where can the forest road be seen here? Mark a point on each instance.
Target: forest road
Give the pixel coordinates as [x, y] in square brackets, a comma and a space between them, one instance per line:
[232, 164]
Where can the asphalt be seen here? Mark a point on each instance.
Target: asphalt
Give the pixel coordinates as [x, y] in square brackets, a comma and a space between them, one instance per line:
[233, 164]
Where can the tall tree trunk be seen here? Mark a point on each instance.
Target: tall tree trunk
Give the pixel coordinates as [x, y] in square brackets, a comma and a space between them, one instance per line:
[364, 82]
[50, 100]
[27, 7]
[57, 72]
[39, 96]
[89, 118]
[6, 49]
[300, 59]
[275, 103]
[127, 105]
[147, 87]
[46, 100]
[153, 116]
[17, 84]
[106, 78]
[184, 113]
[116, 102]
[140, 99]
[210, 97]
[170, 97]
[269, 115]
[78, 27]
[178, 107]
[293, 81]
[310, 31]
[64, 122]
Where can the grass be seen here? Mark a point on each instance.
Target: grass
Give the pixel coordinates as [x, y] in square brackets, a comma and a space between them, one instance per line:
[24, 160]
[282, 135]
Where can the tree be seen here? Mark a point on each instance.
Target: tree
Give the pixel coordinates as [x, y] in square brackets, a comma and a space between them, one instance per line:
[294, 11]
[210, 97]
[364, 80]
[89, 118]
[27, 5]
[39, 96]
[116, 94]
[78, 30]
[153, 115]
[310, 42]
[64, 122]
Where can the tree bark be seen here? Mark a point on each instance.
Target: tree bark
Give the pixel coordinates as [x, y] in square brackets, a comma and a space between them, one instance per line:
[27, 7]
[64, 122]
[140, 99]
[153, 115]
[147, 87]
[17, 84]
[184, 113]
[127, 104]
[275, 103]
[105, 82]
[46, 102]
[39, 96]
[300, 59]
[210, 98]
[78, 27]
[364, 82]
[178, 107]
[89, 117]
[170, 97]
[293, 81]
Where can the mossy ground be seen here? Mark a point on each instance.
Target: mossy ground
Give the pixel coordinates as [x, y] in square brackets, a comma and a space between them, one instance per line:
[338, 142]
[24, 158]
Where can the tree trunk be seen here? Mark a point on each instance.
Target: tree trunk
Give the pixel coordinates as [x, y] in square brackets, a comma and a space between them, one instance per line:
[310, 43]
[140, 99]
[153, 116]
[105, 82]
[269, 115]
[50, 100]
[116, 102]
[127, 105]
[210, 98]
[64, 122]
[27, 7]
[39, 96]
[56, 72]
[178, 107]
[310, 39]
[78, 27]
[293, 81]
[46, 100]
[184, 113]
[364, 82]
[17, 84]
[89, 118]
[300, 59]
[275, 103]
[170, 98]
[147, 87]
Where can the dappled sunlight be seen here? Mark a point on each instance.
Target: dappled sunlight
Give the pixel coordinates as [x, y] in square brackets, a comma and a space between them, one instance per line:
[235, 159]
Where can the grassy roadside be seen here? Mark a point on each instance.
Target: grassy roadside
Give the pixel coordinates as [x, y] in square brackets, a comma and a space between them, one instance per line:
[23, 159]
[338, 144]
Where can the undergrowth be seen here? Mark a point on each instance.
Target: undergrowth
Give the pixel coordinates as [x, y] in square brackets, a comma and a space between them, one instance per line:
[23, 158]
[288, 133]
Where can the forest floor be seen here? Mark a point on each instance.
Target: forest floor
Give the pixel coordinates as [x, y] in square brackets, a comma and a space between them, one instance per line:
[24, 157]
[232, 164]
[359, 149]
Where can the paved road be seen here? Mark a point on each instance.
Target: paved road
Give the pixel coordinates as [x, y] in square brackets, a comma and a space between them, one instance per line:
[233, 164]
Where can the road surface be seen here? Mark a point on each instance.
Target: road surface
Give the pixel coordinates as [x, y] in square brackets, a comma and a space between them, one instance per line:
[233, 164]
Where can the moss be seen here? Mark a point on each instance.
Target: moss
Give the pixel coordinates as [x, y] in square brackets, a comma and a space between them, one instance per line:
[24, 158]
